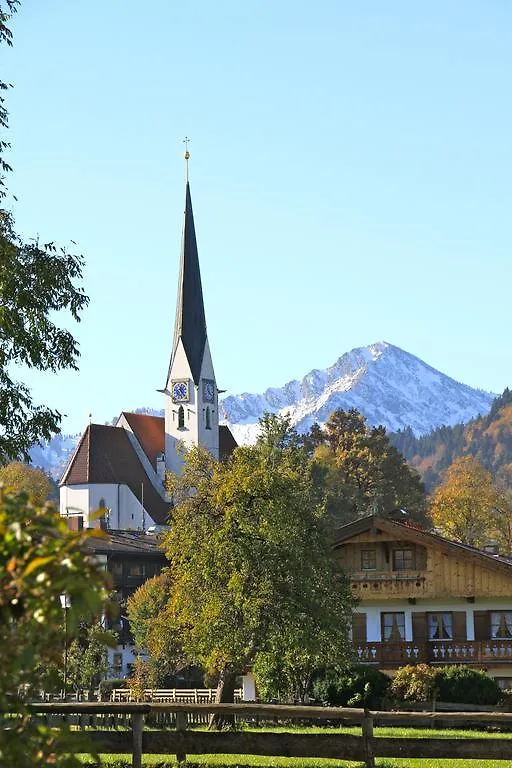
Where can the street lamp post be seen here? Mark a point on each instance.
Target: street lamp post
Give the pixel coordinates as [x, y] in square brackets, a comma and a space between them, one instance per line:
[66, 604]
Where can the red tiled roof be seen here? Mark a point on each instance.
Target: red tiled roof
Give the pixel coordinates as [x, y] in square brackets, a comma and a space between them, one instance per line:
[149, 431]
[106, 455]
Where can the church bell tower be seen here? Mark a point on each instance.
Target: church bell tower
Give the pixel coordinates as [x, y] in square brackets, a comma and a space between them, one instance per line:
[191, 396]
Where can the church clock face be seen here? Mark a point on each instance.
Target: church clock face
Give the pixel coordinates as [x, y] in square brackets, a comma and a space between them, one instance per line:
[208, 391]
[179, 391]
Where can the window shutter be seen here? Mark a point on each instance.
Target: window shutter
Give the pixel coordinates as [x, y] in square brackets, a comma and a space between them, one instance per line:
[459, 625]
[419, 626]
[359, 627]
[482, 625]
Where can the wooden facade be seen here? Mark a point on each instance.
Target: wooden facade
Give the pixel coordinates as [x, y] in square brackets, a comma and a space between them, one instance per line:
[423, 598]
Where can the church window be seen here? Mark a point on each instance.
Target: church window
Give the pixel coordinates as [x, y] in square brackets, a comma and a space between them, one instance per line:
[102, 504]
[208, 419]
[181, 417]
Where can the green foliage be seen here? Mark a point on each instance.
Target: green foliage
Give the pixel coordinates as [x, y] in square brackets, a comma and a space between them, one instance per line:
[361, 471]
[37, 282]
[88, 656]
[463, 685]
[140, 679]
[155, 630]
[40, 559]
[414, 683]
[107, 686]
[18, 477]
[251, 567]
[360, 686]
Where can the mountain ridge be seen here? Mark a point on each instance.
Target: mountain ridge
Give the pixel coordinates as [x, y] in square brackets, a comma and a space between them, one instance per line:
[388, 385]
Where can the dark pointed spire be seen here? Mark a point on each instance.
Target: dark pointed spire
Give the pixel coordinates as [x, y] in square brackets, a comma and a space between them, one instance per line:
[190, 323]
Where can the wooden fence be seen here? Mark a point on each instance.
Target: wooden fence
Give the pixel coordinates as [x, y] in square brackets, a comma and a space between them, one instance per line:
[174, 695]
[182, 741]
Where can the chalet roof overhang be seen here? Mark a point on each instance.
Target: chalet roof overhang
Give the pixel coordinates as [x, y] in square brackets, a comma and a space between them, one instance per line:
[407, 532]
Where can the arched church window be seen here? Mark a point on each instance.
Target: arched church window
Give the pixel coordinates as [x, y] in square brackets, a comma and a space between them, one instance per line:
[208, 419]
[102, 504]
[181, 417]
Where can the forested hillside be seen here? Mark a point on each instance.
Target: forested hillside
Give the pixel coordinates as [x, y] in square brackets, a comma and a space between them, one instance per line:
[488, 439]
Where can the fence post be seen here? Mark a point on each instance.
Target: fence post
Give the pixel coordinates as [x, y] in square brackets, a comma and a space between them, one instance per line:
[137, 729]
[367, 734]
[181, 725]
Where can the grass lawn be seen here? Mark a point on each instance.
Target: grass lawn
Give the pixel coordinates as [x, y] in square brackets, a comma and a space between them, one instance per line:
[254, 761]
[258, 761]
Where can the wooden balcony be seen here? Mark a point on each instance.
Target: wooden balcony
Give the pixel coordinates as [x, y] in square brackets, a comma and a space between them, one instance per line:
[435, 652]
[366, 584]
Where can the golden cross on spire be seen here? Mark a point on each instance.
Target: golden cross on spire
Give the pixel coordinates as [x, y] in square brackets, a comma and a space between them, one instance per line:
[187, 153]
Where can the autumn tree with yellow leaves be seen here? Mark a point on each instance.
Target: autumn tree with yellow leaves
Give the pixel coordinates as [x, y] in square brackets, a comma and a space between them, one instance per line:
[467, 506]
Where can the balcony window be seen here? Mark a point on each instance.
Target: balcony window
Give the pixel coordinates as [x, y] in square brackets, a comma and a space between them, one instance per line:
[369, 560]
[403, 559]
[137, 569]
[116, 568]
[501, 625]
[393, 626]
[440, 626]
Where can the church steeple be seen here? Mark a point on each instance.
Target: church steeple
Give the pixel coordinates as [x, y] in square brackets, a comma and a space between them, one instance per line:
[190, 322]
[191, 395]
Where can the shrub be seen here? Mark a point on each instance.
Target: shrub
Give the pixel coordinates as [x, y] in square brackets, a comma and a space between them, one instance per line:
[414, 683]
[360, 686]
[107, 686]
[463, 685]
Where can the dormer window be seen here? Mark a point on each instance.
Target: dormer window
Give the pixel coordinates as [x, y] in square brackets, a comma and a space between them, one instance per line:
[369, 560]
[403, 559]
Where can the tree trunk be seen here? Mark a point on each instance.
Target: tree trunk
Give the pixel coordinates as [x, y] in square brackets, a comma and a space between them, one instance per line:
[225, 695]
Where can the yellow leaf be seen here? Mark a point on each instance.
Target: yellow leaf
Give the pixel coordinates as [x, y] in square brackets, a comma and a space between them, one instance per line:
[36, 563]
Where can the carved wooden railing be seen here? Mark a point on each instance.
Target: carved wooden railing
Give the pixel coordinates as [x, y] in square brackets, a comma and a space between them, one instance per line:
[461, 651]
[391, 653]
[434, 652]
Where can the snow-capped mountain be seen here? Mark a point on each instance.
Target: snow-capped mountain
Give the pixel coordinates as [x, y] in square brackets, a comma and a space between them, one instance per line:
[386, 384]
[53, 456]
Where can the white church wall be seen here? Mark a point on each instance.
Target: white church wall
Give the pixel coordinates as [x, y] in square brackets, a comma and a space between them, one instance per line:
[74, 500]
[208, 438]
[188, 436]
[125, 510]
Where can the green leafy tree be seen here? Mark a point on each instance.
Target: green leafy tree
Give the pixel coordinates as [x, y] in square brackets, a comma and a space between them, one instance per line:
[40, 560]
[18, 477]
[154, 630]
[251, 567]
[88, 656]
[361, 471]
[37, 282]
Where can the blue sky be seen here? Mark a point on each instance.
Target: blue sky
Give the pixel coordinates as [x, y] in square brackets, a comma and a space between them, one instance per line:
[351, 180]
